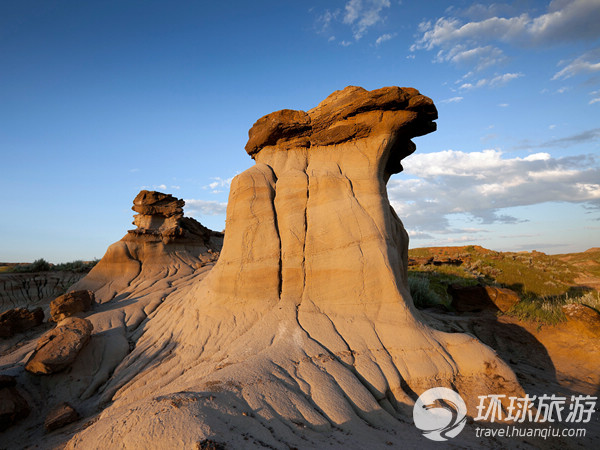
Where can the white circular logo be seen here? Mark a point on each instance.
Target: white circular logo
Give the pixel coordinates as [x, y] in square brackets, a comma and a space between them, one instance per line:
[440, 413]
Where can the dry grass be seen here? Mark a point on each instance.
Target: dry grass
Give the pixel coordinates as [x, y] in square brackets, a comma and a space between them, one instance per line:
[545, 283]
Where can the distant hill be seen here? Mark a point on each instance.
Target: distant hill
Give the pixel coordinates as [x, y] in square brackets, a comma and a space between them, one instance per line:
[525, 272]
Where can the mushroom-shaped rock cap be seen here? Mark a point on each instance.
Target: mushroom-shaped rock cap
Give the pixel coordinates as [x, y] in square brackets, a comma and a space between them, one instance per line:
[352, 113]
[157, 203]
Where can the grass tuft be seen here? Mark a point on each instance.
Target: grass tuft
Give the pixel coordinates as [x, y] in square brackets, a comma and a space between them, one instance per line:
[422, 293]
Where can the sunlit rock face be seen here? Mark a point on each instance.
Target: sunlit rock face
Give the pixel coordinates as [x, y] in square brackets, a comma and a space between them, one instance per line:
[304, 332]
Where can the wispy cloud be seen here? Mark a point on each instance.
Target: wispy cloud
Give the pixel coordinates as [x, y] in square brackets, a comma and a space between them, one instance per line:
[357, 17]
[363, 14]
[596, 95]
[324, 21]
[218, 184]
[578, 138]
[384, 37]
[482, 184]
[581, 137]
[589, 62]
[497, 81]
[453, 100]
[479, 58]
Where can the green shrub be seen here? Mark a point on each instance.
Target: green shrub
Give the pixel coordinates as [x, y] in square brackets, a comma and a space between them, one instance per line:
[76, 266]
[39, 265]
[422, 293]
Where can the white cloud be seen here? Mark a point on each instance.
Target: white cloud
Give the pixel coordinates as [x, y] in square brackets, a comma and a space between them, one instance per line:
[589, 62]
[452, 100]
[503, 105]
[352, 9]
[384, 37]
[345, 43]
[497, 81]
[449, 31]
[482, 184]
[457, 41]
[196, 207]
[566, 20]
[503, 79]
[478, 57]
[218, 184]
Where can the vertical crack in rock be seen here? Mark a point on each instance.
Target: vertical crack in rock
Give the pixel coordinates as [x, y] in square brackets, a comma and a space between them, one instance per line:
[280, 262]
[305, 224]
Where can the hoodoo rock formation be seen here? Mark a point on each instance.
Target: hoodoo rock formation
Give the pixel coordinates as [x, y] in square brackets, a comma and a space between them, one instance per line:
[304, 333]
[164, 243]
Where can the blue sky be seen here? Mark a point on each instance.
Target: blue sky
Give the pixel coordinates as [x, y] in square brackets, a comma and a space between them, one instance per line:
[100, 99]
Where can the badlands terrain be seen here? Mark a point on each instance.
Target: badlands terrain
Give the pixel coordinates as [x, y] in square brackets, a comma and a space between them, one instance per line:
[308, 324]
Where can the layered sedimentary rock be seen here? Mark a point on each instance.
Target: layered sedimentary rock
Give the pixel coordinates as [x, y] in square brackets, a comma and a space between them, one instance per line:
[24, 290]
[304, 332]
[160, 217]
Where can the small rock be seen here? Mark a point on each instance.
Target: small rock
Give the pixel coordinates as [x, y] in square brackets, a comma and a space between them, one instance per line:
[13, 407]
[19, 320]
[60, 416]
[57, 349]
[70, 304]
[583, 316]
